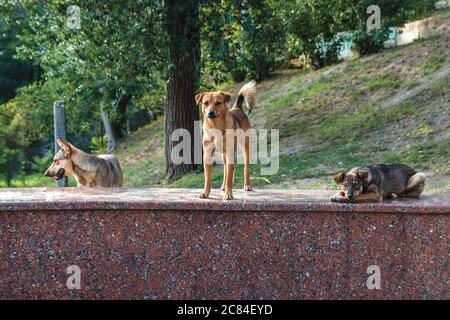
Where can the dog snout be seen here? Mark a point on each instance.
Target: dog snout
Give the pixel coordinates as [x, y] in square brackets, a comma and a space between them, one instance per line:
[47, 173]
[350, 195]
[210, 114]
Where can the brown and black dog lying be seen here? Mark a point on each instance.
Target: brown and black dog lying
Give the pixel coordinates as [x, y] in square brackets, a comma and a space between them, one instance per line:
[376, 182]
[218, 122]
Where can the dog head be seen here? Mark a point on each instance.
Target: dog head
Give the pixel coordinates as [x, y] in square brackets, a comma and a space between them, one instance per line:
[352, 183]
[213, 104]
[62, 164]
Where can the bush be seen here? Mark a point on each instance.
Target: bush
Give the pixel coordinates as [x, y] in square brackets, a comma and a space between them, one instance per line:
[370, 42]
[325, 51]
[252, 41]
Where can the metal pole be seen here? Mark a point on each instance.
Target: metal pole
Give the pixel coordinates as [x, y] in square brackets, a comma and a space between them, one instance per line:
[60, 131]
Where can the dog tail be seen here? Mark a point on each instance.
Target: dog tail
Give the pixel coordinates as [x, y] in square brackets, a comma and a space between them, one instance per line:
[247, 93]
[415, 180]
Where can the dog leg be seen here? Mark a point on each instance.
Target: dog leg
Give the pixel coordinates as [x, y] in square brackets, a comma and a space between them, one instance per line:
[208, 164]
[414, 186]
[228, 195]
[339, 197]
[224, 160]
[247, 181]
[207, 189]
[369, 196]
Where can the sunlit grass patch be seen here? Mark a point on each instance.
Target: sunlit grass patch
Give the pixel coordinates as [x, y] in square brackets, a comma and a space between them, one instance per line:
[36, 180]
[433, 62]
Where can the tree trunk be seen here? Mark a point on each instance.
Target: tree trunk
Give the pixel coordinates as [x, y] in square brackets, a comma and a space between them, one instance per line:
[59, 117]
[9, 174]
[182, 23]
[108, 128]
[120, 125]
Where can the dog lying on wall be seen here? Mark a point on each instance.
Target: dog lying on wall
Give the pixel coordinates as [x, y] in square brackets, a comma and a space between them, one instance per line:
[376, 182]
[88, 170]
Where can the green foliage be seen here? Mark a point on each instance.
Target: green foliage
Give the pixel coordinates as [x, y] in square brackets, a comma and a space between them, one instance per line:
[13, 72]
[16, 125]
[241, 39]
[119, 48]
[370, 42]
[313, 28]
[262, 37]
[40, 164]
[99, 143]
[17, 130]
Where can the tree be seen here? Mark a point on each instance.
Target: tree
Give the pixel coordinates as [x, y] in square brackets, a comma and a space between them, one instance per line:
[17, 130]
[13, 72]
[183, 30]
[241, 39]
[313, 28]
[118, 46]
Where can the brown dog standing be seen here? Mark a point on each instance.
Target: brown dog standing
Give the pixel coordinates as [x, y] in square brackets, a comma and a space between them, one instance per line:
[218, 121]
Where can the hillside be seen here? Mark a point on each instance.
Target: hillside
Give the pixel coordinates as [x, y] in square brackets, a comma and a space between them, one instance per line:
[389, 107]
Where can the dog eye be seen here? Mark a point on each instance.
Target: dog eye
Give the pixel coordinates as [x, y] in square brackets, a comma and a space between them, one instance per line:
[218, 103]
[206, 103]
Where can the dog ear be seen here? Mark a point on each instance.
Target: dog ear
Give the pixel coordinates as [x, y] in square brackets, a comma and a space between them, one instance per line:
[198, 98]
[226, 95]
[65, 145]
[363, 175]
[339, 177]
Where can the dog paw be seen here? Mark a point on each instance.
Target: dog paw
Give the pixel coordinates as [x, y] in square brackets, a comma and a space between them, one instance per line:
[222, 188]
[393, 196]
[228, 195]
[203, 195]
[339, 198]
[248, 188]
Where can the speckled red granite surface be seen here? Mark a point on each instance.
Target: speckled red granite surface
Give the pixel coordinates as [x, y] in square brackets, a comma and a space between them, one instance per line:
[271, 244]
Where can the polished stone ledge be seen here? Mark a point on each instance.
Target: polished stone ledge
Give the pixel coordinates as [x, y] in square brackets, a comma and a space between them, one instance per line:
[40, 199]
[267, 244]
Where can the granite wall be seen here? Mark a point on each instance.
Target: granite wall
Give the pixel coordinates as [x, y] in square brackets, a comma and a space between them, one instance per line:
[166, 244]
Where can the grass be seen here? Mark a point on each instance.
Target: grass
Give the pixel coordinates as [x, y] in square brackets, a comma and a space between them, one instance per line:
[384, 81]
[36, 180]
[142, 156]
[433, 62]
